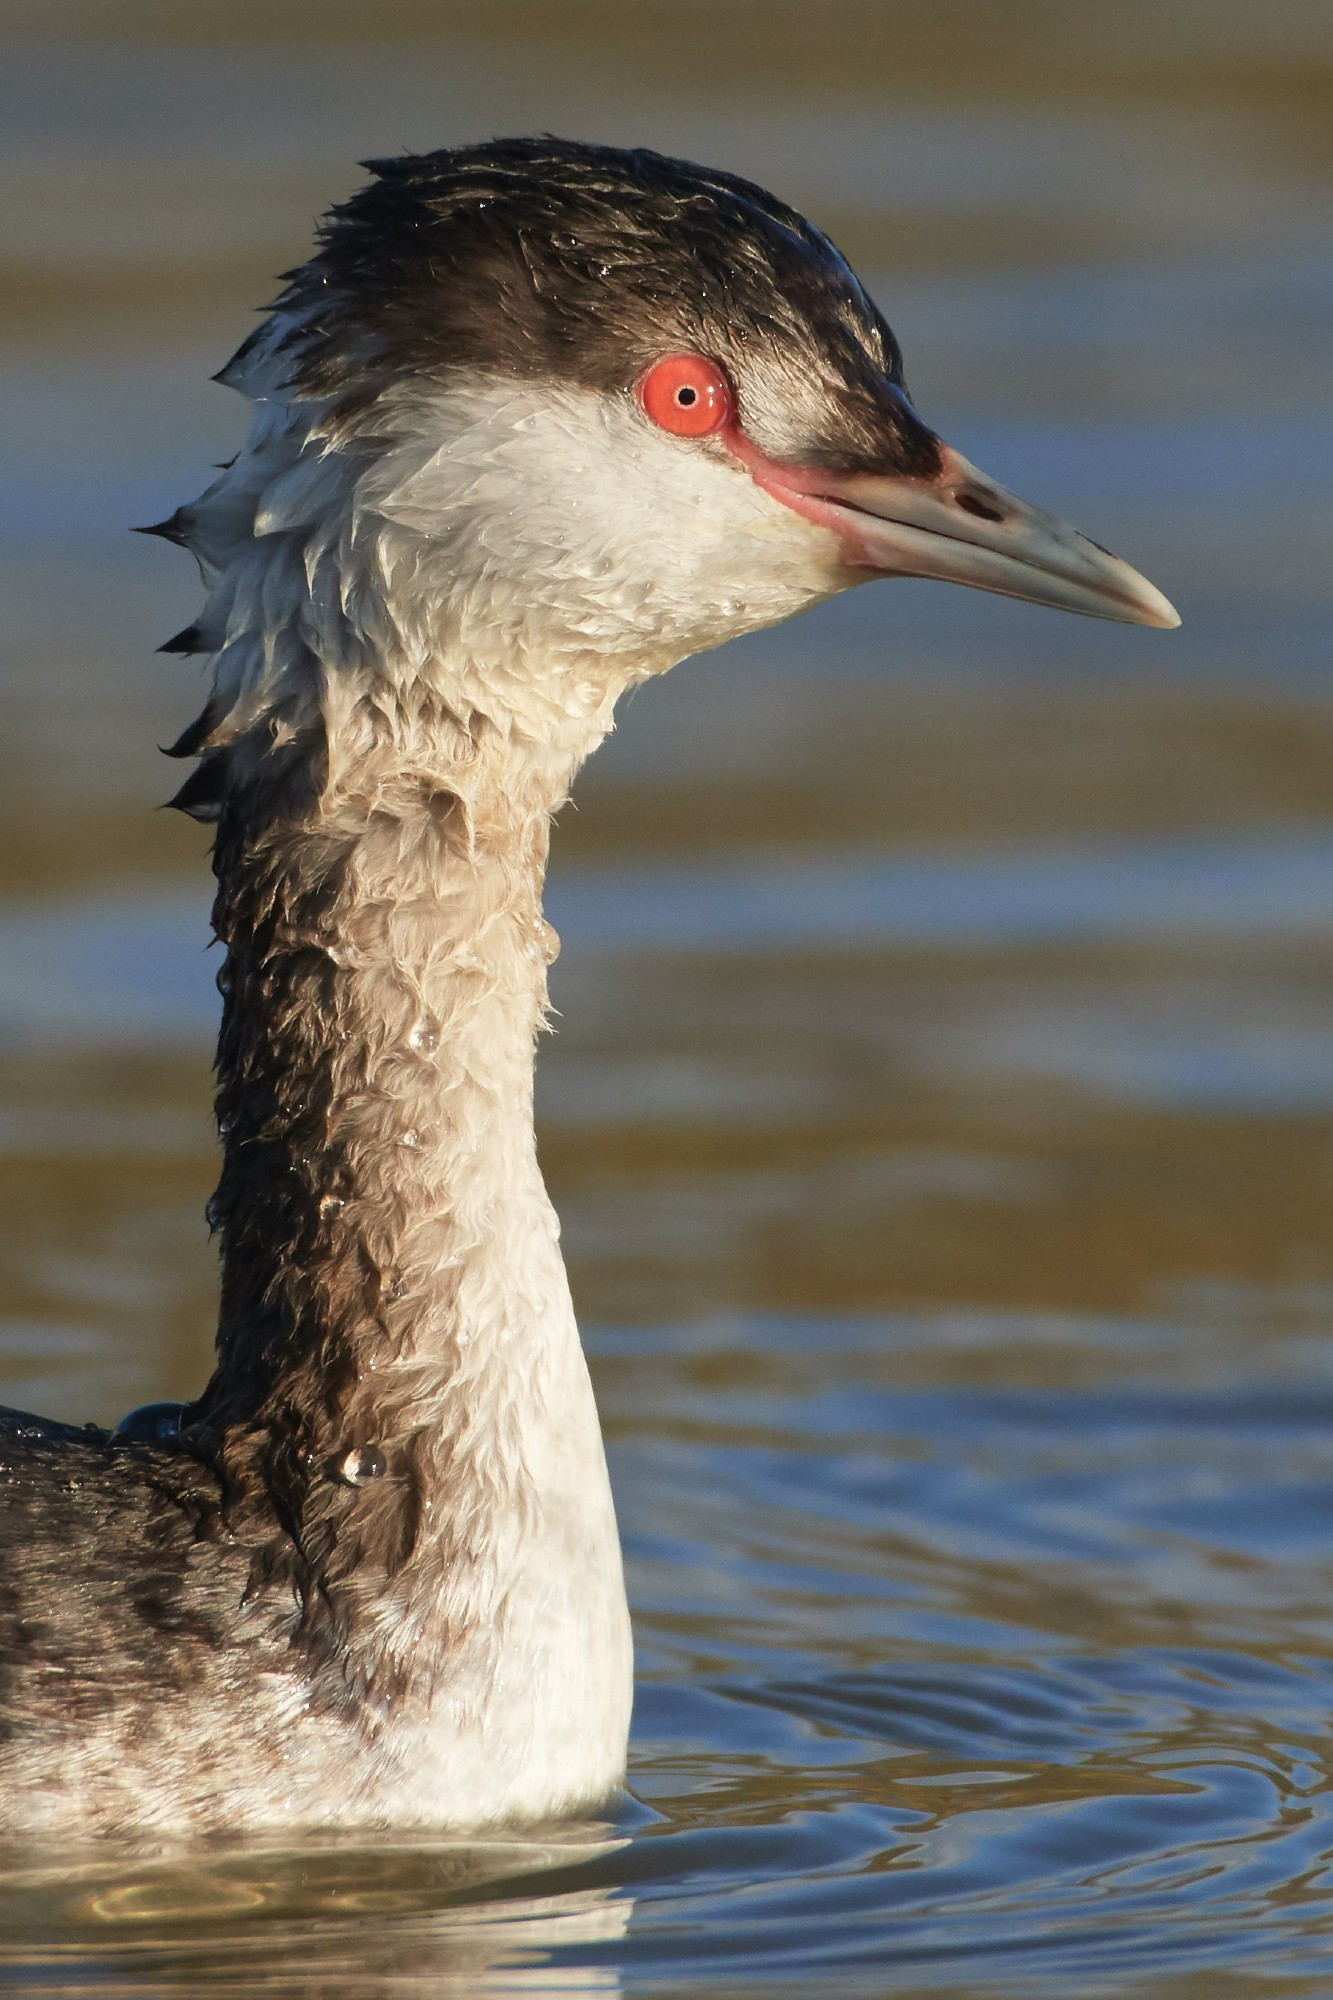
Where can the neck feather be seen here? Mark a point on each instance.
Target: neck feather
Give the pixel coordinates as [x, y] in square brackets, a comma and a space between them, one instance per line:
[383, 985]
[399, 1379]
[393, 1296]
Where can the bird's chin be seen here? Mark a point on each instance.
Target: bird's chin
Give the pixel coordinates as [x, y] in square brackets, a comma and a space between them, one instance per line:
[961, 527]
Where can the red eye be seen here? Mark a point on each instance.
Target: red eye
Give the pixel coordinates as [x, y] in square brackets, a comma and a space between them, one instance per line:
[686, 394]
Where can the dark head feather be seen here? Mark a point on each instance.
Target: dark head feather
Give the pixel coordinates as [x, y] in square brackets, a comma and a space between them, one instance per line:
[547, 258]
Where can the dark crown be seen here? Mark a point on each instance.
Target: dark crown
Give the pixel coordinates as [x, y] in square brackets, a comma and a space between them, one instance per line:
[548, 258]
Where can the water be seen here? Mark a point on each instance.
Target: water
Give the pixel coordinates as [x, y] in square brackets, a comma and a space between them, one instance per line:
[940, 1109]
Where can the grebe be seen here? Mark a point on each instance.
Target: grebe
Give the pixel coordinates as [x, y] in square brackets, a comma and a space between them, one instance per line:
[536, 421]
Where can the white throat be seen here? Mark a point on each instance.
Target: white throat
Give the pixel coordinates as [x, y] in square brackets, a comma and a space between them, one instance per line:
[519, 551]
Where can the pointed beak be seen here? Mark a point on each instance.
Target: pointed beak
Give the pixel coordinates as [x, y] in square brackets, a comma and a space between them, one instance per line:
[962, 527]
[954, 523]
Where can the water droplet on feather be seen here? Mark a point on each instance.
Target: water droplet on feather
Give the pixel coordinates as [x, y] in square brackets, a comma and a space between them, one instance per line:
[362, 1463]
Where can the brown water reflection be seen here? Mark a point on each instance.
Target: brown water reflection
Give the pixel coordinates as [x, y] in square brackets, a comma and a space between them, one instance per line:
[960, 1299]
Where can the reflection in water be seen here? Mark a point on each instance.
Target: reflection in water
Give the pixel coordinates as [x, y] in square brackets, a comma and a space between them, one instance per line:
[426, 1917]
[939, 1112]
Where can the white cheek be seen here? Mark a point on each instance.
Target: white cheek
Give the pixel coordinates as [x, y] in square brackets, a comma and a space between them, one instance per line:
[564, 508]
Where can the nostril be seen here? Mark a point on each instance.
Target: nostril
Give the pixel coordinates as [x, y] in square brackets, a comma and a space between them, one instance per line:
[984, 510]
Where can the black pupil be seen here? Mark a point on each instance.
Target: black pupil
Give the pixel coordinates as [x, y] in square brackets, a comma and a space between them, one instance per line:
[686, 396]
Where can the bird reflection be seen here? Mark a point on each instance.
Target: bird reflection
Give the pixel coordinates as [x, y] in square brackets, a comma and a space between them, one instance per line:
[328, 1916]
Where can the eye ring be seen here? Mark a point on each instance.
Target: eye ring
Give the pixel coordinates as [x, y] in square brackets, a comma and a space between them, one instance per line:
[687, 394]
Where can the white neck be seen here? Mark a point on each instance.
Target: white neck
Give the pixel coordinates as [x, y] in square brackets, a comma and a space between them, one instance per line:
[392, 1282]
[400, 1381]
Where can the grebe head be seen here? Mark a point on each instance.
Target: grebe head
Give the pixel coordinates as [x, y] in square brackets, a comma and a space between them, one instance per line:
[575, 405]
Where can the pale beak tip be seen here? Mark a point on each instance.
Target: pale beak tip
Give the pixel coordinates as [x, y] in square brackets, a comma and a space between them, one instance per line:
[1144, 603]
[1160, 613]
